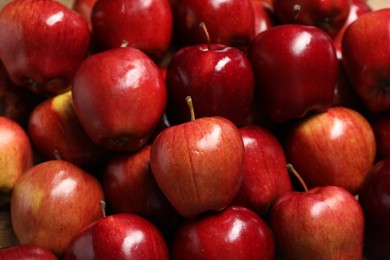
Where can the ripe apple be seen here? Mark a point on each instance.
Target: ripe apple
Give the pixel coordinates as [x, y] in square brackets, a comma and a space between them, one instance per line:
[119, 96]
[229, 22]
[295, 69]
[336, 147]
[380, 123]
[52, 201]
[217, 77]
[118, 236]
[325, 222]
[198, 164]
[16, 156]
[145, 25]
[234, 233]
[42, 43]
[374, 200]
[329, 15]
[367, 70]
[84, 8]
[55, 131]
[31, 252]
[264, 16]
[262, 181]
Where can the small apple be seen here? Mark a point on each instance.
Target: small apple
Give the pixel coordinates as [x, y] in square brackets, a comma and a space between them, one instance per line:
[31, 252]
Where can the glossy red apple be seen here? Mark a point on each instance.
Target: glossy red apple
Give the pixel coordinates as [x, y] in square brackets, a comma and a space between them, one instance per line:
[217, 77]
[118, 236]
[336, 147]
[234, 233]
[295, 69]
[329, 15]
[145, 25]
[119, 96]
[369, 71]
[16, 156]
[42, 43]
[31, 252]
[264, 16]
[374, 199]
[262, 181]
[52, 202]
[380, 123]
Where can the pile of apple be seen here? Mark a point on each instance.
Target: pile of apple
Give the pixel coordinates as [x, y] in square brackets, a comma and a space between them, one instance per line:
[195, 129]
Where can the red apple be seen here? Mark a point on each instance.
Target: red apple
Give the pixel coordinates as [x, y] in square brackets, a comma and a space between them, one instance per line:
[324, 222]
[234, 233]
[295, 69]
[374, 199]
[218, 78]
[145, 25]
[329, 15]
[262, 181]
[380, 123]
[84, 7]
[52, 202]
[368, 70]
[336, 147]
[118, 236]
[264, 16]
[119, 96]
[16, 156]
[42, 43]
[31, 252]
[55, 131]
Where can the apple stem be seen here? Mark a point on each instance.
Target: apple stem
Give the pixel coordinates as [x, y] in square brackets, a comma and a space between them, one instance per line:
[206, 32]
[103, 207]
[191, 106]
[291, 169]
[57, 154]
[124, 44]
[297, 9]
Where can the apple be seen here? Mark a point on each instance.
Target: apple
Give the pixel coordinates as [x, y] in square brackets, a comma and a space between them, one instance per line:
[118, 236]
[295, 69]
[197, 164]
[234, 233]
[336, 147]
[380, 123]
[374, 200]
[217, 77]
[119, 96]
[31, 252]
[262, 181]
[145, 25]
[84, 8]
[55, 131]
[329, 15]
[229, 22]
[367, 70]
[42, 43]
[325, 222]
[52, 201]
[264, 16]
[16, 156]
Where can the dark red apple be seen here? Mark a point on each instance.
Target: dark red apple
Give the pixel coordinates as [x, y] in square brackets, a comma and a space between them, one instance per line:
[119, 96]
[367, 69]
[234, 233]
[52, 202]
[42, 43]
[118, 236]
[295, 69]
[380, 123]
[264, 174]
[264, 16]
[30, 252]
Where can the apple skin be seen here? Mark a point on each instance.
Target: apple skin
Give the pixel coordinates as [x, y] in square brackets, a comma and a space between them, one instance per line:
[367, 70]
[217, 77]
[84, 8]
[326, 221]
[55, 130]
[31, 252]
[295, 69]
[42, 43]
[262, 181]
[380, 123]
[234, 233]
[118, 236]
[123, 116]
[198, 164]
[16, 156]
[329, 15]
[224, 28]
[52, 202]
[336, 147]
[264, 16]
[145, 25]
[374, 200]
